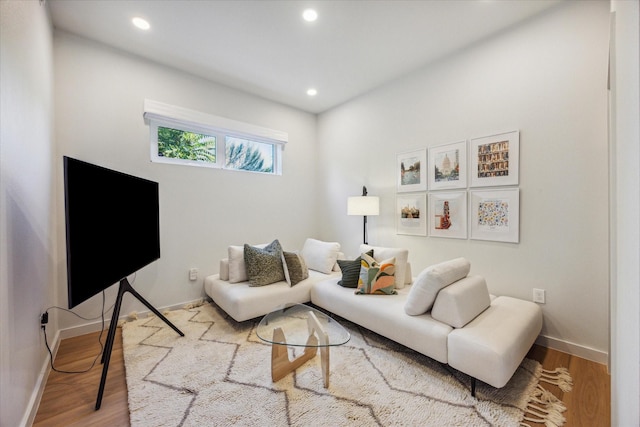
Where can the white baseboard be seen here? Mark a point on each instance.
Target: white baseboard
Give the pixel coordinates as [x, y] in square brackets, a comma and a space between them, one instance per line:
[95, 326]
[588, 353]
[34, 402]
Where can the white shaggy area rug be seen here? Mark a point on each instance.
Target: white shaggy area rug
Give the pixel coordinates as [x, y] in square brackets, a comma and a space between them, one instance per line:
[219, 374]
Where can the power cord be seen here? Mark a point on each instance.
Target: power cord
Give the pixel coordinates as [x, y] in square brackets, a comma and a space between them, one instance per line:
[45, 318]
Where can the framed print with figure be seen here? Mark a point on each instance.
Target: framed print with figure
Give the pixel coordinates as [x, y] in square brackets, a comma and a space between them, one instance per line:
[448, 214]
[411, 215]
[495, 160]
[411, 171]
[448, 166]
[495, 215]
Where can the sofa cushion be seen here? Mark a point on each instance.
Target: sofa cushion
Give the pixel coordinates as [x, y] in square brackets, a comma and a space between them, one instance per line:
[264, 265]
[401, 256]
[351, 271]
[383, 315]
[295, 269]
[460, 303]
[492, 346]
[320, 256]
[243, 302]
[237, 267]
[430, 281]
[376, 278]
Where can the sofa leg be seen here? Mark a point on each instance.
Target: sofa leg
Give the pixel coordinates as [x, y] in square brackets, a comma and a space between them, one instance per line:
[473, 387]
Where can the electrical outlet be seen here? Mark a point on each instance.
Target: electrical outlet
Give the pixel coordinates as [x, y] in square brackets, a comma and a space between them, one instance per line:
[538, 296]
[44, 319]
[193, 274]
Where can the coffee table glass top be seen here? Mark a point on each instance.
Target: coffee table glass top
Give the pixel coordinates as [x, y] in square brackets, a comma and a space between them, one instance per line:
[293, 320]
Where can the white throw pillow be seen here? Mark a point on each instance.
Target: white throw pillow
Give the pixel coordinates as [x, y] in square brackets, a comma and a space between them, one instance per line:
[401, 256]
[237, 267]
[320, 256]
[224, 269]
[429, 282]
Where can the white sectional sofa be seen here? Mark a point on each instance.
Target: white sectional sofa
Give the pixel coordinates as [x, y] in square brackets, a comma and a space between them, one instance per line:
[444, 314]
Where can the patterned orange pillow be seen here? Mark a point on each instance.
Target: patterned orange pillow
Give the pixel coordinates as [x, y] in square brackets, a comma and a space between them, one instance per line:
[376, 277]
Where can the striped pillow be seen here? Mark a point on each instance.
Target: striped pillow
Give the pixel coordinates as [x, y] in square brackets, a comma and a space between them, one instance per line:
[377, 278]
[351, 271]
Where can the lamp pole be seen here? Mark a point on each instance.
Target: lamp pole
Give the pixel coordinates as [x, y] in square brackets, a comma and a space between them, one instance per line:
[364, 226]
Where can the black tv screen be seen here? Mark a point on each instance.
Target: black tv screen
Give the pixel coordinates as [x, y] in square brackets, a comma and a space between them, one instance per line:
[113, 227]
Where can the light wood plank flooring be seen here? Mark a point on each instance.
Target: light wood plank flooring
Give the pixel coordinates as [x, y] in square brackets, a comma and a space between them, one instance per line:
[69, 399]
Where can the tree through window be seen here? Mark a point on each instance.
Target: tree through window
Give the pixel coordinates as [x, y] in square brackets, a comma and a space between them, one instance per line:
[188, 137]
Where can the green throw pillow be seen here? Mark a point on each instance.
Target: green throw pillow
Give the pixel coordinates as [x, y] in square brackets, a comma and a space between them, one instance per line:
[377, 277]
[264, 266]
[351, 271]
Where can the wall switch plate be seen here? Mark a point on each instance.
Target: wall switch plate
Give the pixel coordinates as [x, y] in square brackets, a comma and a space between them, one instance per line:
[538, 296]
[193, 274]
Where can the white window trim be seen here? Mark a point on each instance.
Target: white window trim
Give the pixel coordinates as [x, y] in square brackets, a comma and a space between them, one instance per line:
[165, 115]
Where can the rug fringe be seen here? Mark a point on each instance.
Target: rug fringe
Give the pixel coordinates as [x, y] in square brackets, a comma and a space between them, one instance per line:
[194, 304]
[559, 377]
[544, 407]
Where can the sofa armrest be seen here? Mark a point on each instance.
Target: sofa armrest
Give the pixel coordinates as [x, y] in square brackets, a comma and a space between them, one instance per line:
[461, 302]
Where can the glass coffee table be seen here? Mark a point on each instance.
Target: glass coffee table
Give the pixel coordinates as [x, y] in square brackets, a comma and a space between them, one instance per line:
[305, 327]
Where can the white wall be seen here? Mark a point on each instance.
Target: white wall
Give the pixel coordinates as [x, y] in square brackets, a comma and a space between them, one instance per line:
[99, 95]
[27, 228]
[546, 78]
[625, 291]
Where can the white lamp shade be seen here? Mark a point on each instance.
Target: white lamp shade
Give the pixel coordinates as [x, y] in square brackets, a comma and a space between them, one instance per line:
[363, 205]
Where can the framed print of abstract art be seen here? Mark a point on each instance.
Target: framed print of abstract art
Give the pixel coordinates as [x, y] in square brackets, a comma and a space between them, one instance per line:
[411, 171]
[448, 214]
[495, 160]
[448, 166]
[411, 215]
[495, 215]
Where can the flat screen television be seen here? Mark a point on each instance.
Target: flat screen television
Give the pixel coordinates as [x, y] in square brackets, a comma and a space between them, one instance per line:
[112, 227]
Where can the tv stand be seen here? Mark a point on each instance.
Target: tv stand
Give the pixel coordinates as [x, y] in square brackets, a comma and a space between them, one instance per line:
[125, 286]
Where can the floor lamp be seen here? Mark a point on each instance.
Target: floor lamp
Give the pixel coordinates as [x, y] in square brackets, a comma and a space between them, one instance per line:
[363, 205]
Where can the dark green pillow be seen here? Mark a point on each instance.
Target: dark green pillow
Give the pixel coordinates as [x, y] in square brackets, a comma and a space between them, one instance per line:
[351, 271]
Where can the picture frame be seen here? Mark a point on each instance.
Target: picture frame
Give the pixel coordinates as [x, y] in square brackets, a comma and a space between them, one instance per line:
[495, 160]
[411, 171]
[448, 214]
[495, 215]
[448, 166]
[411, 214]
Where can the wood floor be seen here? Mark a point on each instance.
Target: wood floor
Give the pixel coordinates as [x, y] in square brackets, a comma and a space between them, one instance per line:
[69, 399]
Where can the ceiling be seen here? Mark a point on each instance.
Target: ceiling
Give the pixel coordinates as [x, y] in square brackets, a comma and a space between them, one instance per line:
[264, 47]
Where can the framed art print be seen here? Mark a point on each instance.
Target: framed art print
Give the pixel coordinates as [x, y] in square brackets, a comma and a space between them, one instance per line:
[411, 171]
[411, 215]
[448, 214]
[448, 166]
[495, 215]
[495, 160]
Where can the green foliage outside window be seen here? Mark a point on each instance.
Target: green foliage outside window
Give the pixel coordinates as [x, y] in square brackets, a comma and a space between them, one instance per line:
[241, 154]
[179, 144]
[249, 155]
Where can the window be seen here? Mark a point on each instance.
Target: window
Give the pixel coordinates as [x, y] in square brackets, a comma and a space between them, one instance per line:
[187, 137]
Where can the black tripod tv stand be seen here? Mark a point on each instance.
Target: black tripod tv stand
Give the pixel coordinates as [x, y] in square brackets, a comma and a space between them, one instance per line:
[125, 286]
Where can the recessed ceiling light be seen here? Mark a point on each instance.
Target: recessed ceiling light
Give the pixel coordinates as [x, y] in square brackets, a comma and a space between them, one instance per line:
[310, 15]
[143, 24]
[312, 92]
